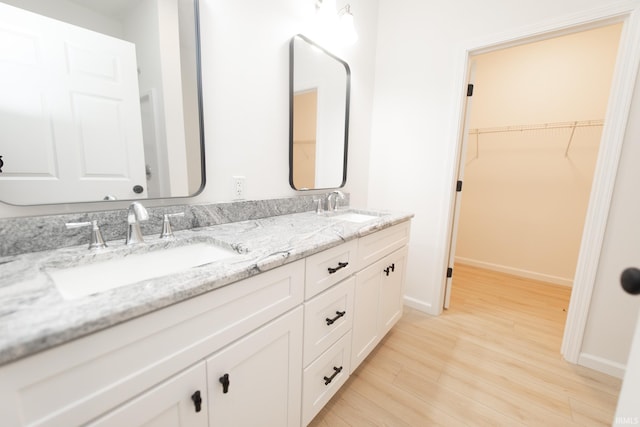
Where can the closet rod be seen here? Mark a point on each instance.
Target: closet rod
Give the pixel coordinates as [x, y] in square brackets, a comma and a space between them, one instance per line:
[542, 126]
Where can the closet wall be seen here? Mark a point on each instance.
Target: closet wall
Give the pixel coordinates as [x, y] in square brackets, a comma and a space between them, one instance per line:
[536, 121]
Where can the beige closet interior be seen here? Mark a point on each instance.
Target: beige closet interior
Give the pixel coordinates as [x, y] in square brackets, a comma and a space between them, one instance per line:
[535, 126]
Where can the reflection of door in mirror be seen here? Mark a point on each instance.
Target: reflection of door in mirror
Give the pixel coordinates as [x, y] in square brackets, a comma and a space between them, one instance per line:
[305, 107]
[69, 112]
[128, 105]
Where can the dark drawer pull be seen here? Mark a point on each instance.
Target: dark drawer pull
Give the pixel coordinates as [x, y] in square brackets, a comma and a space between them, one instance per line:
[340, 265]
[197, 400]
[339, 314]
[336, 371]
[224, 380]
[391, 268]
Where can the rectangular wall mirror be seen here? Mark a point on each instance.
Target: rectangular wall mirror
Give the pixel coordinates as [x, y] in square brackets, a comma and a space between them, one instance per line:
[101, 100]
[319, 90]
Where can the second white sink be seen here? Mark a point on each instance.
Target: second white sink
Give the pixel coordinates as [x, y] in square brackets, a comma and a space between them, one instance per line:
[92, 278]
[354, 217]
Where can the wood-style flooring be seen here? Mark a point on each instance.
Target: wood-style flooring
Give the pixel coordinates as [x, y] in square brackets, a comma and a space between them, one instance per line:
[492, 359]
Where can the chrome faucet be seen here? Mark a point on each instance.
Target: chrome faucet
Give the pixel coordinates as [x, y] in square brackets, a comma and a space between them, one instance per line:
[334, 195]
[136, 213]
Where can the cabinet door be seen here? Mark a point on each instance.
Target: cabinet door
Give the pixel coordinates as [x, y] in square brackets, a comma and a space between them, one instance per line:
[181, 401]
[378, 302]
[257, 381]
[392, 290]
[366, 307]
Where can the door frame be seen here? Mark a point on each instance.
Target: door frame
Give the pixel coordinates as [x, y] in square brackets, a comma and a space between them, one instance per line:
[616, 118]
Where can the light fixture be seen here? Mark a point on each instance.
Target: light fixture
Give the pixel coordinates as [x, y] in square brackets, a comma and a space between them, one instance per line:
[348, 32]
[338, 24]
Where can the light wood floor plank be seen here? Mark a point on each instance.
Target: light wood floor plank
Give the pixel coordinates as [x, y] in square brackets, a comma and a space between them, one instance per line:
[493, 359]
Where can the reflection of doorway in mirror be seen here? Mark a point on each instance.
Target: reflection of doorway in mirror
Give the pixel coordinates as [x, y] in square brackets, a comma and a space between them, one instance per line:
[305, 107]
[155, 152]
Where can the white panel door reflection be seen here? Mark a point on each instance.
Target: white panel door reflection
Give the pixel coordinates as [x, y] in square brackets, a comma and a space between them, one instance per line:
[69, 113]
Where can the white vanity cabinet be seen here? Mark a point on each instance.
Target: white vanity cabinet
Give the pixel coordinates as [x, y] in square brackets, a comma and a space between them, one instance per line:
[269, 350]
[160, 360]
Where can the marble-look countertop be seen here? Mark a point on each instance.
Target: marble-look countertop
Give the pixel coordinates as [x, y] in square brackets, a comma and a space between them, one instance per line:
[35, 317]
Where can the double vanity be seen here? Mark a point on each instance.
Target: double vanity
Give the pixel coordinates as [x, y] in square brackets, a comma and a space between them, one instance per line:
[249, 313]
[255, 322]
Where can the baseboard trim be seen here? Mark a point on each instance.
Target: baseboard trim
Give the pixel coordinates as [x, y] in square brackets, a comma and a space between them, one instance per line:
[516, 271]
[419, 305]
[602, 365]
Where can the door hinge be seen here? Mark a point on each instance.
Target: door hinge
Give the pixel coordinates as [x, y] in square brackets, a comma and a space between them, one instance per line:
[449, 272]
[470, 89]
[459, 186]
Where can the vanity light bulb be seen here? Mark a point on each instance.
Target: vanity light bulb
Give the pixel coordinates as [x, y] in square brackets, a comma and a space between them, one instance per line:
[348, 32]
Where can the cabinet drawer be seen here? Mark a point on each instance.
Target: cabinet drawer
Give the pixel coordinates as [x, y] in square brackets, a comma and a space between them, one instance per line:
[321, 379]
[374, 246]
[327, 268]
[326, 318]
[74, 383]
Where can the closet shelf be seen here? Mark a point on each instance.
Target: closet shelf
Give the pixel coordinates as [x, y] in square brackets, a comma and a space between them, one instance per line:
[534, 127]
[541, 126]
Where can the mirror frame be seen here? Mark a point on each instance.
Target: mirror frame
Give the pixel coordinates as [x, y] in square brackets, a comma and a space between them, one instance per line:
[200, 101]
[291, 118]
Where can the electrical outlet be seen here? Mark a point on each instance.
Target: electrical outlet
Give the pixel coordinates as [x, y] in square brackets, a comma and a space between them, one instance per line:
[239, 187]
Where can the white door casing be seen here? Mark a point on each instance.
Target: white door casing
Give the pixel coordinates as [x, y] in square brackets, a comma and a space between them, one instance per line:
[69, 113]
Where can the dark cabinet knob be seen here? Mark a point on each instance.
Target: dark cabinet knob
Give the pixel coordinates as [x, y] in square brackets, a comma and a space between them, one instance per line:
[224, 380]
[197, 400]
[630, 280]
[138, 189]
[390, 269]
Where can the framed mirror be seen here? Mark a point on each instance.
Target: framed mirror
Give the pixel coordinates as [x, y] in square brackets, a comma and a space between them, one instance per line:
[101, 100]
[319, 91]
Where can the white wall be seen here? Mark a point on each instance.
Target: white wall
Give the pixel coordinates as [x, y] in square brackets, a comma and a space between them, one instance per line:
[524, 202]
[418, 92]
[245, 56]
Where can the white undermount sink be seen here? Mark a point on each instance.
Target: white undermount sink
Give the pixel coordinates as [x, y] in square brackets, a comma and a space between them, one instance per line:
[87, 279]
[353, 215]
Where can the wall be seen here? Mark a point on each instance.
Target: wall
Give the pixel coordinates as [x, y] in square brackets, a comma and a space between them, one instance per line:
[524, 201]
[418, 94]
[245, 60]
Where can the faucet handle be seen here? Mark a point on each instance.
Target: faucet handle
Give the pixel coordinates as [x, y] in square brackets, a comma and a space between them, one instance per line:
[96, 241]
[167, 232]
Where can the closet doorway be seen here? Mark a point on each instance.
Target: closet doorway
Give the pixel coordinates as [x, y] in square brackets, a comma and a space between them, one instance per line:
[533, 129]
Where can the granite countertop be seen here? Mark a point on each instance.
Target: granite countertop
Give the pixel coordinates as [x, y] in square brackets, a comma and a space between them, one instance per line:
[35, 317]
